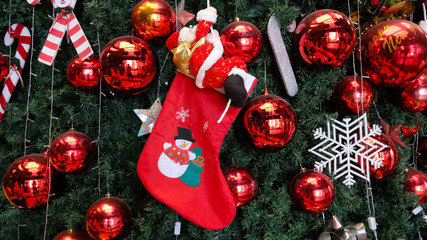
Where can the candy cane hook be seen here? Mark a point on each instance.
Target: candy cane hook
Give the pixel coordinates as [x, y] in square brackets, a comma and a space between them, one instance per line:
[33, 2]
[23, 35]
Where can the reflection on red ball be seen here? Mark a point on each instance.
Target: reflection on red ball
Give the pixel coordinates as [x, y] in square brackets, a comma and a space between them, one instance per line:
[26, 182]
[242, 183]
[394, 53]
[4, 67]
[413, 96]
[108, 218]
[241, 39]
[422, 152]
[84, 75]
[417, 184]
[129, 65]
[312, 191]
[71, 152]
[325, 39]
[153, 20]
[389, 157]
[267, 123]
[352, 95]
[72, 235]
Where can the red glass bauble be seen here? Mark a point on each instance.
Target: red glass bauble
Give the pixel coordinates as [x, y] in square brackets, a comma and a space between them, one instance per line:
[394, 53]
[408, 131]
[71, 152]
[242, 183]
[153, 20]
[73, 235]
[84, 75]
[129, 65]
[267, 123]
[26, 181]
[4, 67]
[325, 38]
[352, 96]
[241, 39]
[413, 96]
[417, 184]
[312, 191]
[108, 218]
[422, 152]
[389, 157]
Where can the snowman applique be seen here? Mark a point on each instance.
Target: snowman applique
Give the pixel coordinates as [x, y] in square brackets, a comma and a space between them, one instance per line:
[177, 161]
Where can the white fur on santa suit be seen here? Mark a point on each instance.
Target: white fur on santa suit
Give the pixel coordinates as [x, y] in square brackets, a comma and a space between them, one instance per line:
[187, 34]
[207, 14]
[213, 57]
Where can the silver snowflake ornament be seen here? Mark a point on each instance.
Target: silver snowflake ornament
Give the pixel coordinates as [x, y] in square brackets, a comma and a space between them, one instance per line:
[348, 148]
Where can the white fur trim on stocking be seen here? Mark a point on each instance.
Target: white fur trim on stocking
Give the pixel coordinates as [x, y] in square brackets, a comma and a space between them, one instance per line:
[208, 15]
[423, 25]
[209, 62]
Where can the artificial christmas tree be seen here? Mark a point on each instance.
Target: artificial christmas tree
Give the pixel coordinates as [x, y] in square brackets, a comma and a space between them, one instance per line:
[48, 106]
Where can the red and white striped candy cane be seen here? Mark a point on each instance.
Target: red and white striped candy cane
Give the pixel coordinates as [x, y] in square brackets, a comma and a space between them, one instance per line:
[23, 35]
[65, 22]
[33, 2]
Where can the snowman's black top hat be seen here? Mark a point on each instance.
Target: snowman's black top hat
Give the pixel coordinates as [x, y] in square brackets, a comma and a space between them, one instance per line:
[184, 133]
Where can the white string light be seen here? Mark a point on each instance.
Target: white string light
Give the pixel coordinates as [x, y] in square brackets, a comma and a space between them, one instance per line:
[27, 119]
[50, 142]
[369, 194]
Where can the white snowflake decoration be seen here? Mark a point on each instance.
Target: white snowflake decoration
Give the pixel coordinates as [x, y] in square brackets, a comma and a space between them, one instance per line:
[348, 149]
[205, 126]
[182, 114]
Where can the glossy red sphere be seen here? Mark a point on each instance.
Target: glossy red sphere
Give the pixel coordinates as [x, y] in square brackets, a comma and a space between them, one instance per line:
[422, 152]
[413, 96]
[389, 157]
[267, 123]
[241, 39]
[325, 38]
[352, 96]
[409, 131]
[312, 191]
[26, 182]
[73, 235]
[108, 218]
[394, 52]
[417, 183]
[242, 183]
[71, 152]
[129, 65]
[4, 67]
[153, 20]
[84, 75]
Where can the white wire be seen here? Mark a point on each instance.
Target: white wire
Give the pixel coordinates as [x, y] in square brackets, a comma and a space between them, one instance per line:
[424, 11]
[369, 194]
[27, 119]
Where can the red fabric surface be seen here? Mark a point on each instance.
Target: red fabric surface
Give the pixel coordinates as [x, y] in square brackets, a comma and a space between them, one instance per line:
[209, 204]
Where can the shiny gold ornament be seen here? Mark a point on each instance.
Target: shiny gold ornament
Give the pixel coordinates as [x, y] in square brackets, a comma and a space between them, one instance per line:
[153, 20]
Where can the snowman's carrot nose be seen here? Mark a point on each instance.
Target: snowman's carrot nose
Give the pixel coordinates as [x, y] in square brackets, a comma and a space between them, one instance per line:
[184, 144]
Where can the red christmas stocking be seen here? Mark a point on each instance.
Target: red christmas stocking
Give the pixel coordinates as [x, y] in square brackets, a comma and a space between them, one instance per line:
[179, 163]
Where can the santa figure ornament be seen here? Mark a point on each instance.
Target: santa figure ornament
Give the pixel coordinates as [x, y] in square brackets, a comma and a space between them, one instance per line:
[179, 163]
[199, 53]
